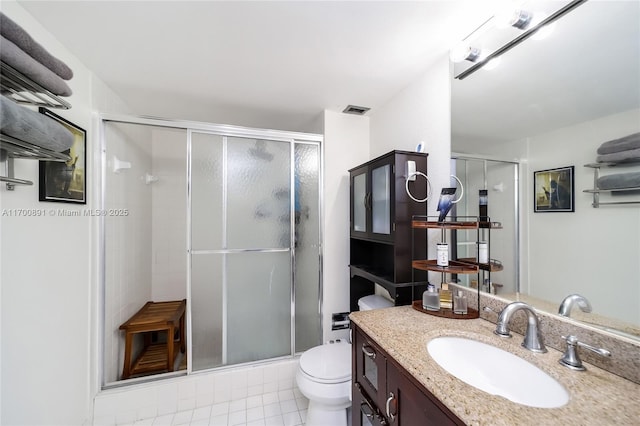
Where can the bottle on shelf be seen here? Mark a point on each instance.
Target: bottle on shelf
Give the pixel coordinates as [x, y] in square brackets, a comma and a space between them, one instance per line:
[431, 299]
[460, 303]
[446, 297]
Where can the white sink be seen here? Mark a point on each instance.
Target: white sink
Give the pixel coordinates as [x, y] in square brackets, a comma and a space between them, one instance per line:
[497, 372]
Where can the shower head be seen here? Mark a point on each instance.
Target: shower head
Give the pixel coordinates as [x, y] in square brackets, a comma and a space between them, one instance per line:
[260, 151]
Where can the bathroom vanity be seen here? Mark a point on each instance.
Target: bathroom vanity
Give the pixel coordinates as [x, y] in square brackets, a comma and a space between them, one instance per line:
[397, 382]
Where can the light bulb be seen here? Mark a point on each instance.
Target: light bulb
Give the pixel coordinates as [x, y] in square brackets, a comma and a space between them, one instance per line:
[465, 52]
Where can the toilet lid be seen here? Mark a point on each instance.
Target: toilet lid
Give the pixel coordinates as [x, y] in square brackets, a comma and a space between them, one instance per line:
[330, 362]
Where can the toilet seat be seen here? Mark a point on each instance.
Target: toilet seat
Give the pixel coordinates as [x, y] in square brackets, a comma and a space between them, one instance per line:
[330, 363]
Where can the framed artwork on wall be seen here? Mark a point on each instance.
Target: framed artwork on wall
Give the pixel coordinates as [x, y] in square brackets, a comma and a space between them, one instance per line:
[553, 190]
[65, 181]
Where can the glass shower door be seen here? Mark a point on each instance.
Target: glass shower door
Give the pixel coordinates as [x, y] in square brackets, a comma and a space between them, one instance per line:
[241, 239]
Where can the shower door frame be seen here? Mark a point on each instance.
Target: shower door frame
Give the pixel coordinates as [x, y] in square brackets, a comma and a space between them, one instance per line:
[223, 130]
[516, 205]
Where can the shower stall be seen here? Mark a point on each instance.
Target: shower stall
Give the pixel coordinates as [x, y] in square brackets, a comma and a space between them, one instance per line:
[500, 179]
[225, 217]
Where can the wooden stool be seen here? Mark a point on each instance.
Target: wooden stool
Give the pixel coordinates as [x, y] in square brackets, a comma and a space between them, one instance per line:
[154, 316]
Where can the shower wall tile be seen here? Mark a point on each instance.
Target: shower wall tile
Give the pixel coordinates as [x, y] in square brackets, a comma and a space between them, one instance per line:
[221, 393]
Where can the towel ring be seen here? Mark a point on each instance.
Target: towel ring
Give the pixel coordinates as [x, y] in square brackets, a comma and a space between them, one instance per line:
[406, 186]
[461, 189]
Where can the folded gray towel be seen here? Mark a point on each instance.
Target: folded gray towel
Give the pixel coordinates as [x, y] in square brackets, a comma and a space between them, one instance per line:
[16, 58]
[619, 181]
[29, 126]
[622, 144]
[628, 156]
[14, 32]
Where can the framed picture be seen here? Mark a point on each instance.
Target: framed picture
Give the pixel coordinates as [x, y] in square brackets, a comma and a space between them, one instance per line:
[65, 182]
[553, 190]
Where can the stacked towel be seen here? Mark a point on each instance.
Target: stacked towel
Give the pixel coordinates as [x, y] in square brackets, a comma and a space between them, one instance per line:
[29, 126]
[18, 36]
[25, 55]
[621, 150]
[619, 181]
[622, 144]
[25, 64]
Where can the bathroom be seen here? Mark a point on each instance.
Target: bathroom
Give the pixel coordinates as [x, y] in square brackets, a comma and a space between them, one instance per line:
[51, 266]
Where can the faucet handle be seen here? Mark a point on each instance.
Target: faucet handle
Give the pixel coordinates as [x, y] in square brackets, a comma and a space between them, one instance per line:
[571, 359]
[488, 309]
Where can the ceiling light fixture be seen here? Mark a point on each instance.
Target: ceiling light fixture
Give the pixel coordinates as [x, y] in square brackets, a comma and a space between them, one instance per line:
[465, 52]
[520, 19]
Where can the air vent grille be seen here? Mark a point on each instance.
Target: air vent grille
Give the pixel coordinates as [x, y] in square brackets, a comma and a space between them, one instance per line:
[354, 109]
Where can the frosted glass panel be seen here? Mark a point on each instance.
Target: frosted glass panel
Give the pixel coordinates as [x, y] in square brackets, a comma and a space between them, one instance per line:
[258, 306]
[359, 211]
[307, 237]
[206, 310]
[258, 197]
[207, 178]
[381, 204]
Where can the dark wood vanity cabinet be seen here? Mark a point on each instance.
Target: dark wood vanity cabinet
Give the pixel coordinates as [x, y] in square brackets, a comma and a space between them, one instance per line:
[380, 226]
[384, 393]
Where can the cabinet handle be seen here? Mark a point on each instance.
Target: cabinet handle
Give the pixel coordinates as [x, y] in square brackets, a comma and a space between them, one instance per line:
[392, 417]
[368, 351]
[366, 409]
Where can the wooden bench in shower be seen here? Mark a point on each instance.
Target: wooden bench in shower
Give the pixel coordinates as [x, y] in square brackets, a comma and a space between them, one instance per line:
[154, 357]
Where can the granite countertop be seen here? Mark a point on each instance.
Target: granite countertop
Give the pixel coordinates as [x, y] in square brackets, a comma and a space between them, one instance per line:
[597, 397]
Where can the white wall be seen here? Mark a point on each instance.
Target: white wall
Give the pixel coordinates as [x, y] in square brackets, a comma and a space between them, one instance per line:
[47, 316]
[421, 112]
[588, 247]
[346, 145]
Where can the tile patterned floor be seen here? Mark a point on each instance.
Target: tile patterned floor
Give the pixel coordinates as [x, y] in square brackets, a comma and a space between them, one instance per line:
[282, 408]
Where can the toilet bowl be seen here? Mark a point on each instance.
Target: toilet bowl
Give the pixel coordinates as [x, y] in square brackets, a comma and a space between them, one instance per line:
[324, 378]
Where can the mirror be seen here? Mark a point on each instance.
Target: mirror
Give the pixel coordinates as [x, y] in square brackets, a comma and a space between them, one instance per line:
[550, 104]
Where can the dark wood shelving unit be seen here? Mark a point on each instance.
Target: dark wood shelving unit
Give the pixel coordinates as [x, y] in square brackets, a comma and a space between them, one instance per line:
[380, 227]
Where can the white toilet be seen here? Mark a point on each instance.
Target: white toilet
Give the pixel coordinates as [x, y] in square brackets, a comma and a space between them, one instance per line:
[324, 376]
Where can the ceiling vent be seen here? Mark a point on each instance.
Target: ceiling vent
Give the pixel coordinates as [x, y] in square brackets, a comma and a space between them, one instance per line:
[358, 110]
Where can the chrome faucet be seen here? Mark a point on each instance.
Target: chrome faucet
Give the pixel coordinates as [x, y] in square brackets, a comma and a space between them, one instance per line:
[570, 300]
[571, 359]
[532, 337]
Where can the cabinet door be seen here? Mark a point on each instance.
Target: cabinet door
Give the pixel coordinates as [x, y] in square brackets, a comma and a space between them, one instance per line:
[381, 183]
[371, 365]
[363, 411]
[407, 405]
[359, 202]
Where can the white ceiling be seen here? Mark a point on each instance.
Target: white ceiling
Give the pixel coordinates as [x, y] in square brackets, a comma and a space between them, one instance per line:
[262, 64]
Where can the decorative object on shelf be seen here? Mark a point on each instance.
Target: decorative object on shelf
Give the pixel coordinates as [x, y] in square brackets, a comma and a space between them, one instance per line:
[65, 182]
[446, 201]
[554, 190]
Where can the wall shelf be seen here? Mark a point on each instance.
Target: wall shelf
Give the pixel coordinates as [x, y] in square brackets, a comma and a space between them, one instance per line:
[23, 90]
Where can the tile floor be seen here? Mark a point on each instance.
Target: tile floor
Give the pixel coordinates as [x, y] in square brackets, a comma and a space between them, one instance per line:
[282, 408]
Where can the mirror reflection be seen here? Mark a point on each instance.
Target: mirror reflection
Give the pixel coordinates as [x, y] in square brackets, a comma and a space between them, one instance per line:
[550, 104]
